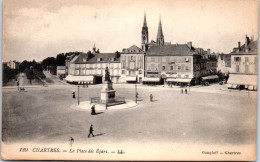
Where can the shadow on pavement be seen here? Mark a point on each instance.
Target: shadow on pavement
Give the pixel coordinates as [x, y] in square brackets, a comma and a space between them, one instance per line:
[97, 113]
[100, 134]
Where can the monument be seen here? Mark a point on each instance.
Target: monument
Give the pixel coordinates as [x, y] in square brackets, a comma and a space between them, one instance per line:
[107, 92]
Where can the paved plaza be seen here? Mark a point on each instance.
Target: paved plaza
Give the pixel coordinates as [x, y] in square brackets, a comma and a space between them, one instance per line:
[211, 114]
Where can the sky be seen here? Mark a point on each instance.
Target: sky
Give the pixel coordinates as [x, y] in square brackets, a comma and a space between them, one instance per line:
[37, 29]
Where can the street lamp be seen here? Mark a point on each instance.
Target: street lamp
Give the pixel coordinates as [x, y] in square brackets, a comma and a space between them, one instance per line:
[78, 94]
[136, 95]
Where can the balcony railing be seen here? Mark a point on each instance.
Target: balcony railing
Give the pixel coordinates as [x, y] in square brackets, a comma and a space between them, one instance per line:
[109, 102]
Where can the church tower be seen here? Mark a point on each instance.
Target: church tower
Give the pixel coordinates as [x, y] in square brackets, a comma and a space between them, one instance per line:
[144, 38]
[160, 38]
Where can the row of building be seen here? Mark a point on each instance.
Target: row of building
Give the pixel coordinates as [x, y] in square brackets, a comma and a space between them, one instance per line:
[159, 62]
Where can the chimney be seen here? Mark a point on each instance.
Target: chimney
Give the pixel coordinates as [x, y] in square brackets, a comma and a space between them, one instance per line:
[239, 45]
[246, 41]
[208, 51]
[189, 44]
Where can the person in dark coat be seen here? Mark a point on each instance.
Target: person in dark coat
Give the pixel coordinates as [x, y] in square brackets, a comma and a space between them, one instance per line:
[185, 90]
[151, 97]
[93, 111]
[182, 91]
[91, 131]
[73, 94]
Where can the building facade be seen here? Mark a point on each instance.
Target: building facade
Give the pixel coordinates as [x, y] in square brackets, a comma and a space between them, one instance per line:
[175, 63]
[132, 65]
[90, 68]
[244, 65]
[224, 63]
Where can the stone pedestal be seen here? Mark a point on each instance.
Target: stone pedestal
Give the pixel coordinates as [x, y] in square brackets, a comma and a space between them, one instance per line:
[107, 92]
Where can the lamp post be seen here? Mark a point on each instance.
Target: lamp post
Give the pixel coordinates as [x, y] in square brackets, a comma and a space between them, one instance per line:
[78, 94]
[136, 93]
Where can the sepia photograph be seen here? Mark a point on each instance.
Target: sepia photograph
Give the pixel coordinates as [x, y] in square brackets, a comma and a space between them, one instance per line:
[129, 80]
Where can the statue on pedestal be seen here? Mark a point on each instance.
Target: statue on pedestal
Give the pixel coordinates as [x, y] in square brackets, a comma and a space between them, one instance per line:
[107, 75]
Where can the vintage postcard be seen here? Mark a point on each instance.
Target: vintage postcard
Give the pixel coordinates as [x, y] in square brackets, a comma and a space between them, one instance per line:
[129, 80]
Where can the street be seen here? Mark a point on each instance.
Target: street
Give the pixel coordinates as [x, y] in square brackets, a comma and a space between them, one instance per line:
[205, 115]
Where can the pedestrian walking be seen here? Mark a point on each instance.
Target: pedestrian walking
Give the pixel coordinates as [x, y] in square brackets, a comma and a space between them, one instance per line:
[185, 90]
[73, 95]
[91, 131]
[181, 91]
[151, 97]
[93, 111]
[18, 85]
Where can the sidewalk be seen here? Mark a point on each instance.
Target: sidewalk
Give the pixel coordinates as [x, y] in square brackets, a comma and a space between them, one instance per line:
[26, 86]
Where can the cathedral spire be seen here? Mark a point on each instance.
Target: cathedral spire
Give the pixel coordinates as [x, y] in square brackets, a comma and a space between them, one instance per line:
[144, 37]
[160, 38]
[145, 24]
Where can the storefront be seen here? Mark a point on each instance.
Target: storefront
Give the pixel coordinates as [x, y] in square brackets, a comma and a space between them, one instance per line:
[209, 79]
[240, 81]
[152, 81]
[80, 79]
[179, 81]
[131, 79]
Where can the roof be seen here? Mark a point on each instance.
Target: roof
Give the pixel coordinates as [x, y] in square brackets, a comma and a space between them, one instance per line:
[97, 57]
[173, 49]
[133, 49]
[252, 48]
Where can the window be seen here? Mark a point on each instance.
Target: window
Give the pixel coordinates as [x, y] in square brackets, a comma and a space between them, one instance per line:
[153, 59]
[186, 76]
[123, 71]
[152, 67]
[246, 59]
[132, 57]
[140, 72]
[221, 57]
[246, 69]
[179, 67]
[237, 68]
[132, 65]
[171, 67]
[237, 59]
[140, 64]
[163, 67]
[123, 64]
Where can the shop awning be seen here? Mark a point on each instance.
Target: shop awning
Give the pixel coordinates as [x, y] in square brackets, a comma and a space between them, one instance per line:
[179, 80]
[210, 77]
[213, 77]
[151, 79]
[131, 78]
[172, 76]
[240, 79]
[72, 78]
[163, 76]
